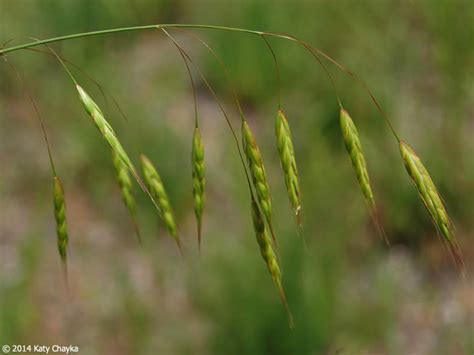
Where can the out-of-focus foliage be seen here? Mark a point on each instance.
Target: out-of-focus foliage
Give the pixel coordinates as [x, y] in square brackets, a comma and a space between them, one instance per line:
[347, 290]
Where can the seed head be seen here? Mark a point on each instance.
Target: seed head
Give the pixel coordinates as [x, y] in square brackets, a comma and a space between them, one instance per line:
[126, 188]
[60, 216]
[268, 254]
[257, 170]
[157, 190]
[354, 148]
[199, 180]
[288, 161]
[431, 199]
[104, 127]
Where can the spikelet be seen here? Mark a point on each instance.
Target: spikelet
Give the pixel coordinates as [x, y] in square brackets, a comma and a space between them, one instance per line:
[104, 127]
[259, 178]
[288, 162]
[61, 222]
[199, 180]
[157, 190]
[268, 254]
[111, 138]
[126, 188]
[354, 148]
[431, 199]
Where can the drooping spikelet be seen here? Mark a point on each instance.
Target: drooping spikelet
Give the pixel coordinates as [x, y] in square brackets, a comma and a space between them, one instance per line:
[288, 161]
[157, 190]
[354, 148]
[60, 216]
[431, 199]
[104, 127]
[259, 178]
[199, 180]
[110, 137]
[124, 180]
[268, 254]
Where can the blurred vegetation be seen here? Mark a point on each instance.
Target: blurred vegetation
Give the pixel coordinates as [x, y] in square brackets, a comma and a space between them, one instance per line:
[349, 293]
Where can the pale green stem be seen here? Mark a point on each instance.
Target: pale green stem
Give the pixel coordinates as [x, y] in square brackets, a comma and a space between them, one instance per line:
[213, 27]
[219, 103]
[38, 114]
[277, 69]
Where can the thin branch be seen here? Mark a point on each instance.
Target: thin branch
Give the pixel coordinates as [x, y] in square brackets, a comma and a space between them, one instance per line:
[277, 69]
[224, 69]
[104, 92]
[37, 111]
[219, 103]
[183, 56]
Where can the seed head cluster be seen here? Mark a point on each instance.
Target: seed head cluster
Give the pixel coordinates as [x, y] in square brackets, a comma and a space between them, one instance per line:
[261, 203]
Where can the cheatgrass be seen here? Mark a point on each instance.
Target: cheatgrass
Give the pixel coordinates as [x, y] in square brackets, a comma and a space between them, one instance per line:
[157, 190]
[431, 199]
[199, 180]
[288, 162]
[261, 203]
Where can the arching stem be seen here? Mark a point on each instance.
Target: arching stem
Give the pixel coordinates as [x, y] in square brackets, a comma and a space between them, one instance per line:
[221, 28]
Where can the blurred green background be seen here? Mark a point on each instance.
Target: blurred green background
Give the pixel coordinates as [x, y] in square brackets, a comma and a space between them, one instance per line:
[349, 293]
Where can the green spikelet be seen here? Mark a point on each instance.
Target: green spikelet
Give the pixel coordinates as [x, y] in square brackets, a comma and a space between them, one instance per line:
[354, 148]
[288, 162]
[104, 127]
[60, 216]
[431, 199]
[259, 178]
[157, 190]
[111, 138]
[126, 188]
[199, 180]
[268, 255]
